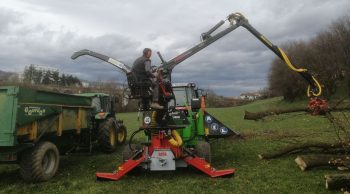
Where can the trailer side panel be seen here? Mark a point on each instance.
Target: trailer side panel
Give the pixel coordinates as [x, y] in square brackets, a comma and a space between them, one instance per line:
[8, 111]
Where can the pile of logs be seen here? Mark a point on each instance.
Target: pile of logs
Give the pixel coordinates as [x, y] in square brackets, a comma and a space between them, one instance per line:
[333, 155]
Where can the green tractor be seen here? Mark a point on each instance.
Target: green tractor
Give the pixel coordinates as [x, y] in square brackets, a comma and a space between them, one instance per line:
[111, 131]
[200, 126]
[203, 125]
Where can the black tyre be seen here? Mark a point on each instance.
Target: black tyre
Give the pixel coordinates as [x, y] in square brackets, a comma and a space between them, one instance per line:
[203, 150]
[121, 134]
[40, 163]
[108, 135]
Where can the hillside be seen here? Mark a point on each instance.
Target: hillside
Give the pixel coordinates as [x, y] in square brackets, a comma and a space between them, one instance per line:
[5, 76]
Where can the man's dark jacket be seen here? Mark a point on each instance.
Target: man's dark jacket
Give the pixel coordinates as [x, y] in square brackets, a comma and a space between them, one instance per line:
[142, 68]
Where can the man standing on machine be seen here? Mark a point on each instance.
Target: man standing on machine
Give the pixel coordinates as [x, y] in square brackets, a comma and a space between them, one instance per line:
[142, 70]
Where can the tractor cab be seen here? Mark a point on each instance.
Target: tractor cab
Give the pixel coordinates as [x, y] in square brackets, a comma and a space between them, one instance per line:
[103, 104]
[191, 100]
[186, 95]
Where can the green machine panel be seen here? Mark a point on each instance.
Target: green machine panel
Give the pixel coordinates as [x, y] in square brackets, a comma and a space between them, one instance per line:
[8, 111]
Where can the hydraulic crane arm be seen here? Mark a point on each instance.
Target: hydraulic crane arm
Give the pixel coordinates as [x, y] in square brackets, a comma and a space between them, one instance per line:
[126, 69]
[236, 20]
[314, 87]
[206, 38]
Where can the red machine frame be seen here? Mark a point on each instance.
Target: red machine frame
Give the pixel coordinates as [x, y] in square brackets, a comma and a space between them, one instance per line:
[160, 141]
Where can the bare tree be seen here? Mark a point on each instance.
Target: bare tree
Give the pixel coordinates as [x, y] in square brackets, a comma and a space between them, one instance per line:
[327, 56]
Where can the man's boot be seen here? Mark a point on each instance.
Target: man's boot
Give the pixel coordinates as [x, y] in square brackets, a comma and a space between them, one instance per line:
[155, 105]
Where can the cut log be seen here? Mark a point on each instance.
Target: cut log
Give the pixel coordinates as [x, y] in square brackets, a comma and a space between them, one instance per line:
[337, 181]
[309, 161]
[342, 163]
[297, 148]
[259, 115]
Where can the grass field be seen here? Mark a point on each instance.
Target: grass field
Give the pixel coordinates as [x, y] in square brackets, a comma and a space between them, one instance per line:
[76, 173]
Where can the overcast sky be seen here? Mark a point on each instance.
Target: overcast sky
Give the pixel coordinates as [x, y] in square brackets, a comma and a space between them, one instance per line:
[47, 32]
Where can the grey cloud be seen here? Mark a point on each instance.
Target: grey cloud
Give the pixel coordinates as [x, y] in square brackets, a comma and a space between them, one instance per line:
[237, 63]
[38, 45]
[7, 19]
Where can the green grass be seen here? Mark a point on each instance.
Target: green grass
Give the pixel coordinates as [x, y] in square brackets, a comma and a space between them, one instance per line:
[76, 173]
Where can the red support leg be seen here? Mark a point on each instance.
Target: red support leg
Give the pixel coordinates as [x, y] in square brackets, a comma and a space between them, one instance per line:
[122, 170]
[205, 167]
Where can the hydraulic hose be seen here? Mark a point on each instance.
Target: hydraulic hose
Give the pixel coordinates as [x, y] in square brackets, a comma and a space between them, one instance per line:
[301, 70]
[131, 137]
[314, 88]
[290, 65]
[175, 139]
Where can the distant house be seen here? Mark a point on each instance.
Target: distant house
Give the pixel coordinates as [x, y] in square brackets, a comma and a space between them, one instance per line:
[85, 84]
[250, 96]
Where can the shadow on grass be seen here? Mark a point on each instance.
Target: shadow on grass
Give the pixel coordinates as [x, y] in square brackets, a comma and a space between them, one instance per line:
[69, 164]
[10, 176]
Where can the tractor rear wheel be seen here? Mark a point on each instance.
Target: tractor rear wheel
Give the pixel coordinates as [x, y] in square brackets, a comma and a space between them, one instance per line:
[203, 150]
[107, 136]
[39, 163]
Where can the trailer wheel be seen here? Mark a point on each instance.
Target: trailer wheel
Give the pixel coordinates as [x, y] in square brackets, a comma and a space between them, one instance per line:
[39, 163]
[107, 137]
[203, 150]
[121, 134]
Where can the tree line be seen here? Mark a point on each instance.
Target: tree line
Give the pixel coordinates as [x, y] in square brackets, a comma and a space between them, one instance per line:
[213, 100]
[35, 75]
[327, 56]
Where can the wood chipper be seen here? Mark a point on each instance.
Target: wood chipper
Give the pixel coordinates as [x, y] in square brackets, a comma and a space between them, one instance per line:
[178, 136]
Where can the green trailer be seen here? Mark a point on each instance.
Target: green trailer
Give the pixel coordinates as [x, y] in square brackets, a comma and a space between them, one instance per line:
[37, 126]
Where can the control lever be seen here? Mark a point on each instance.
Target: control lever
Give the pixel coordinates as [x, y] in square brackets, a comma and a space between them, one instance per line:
[161, 58]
